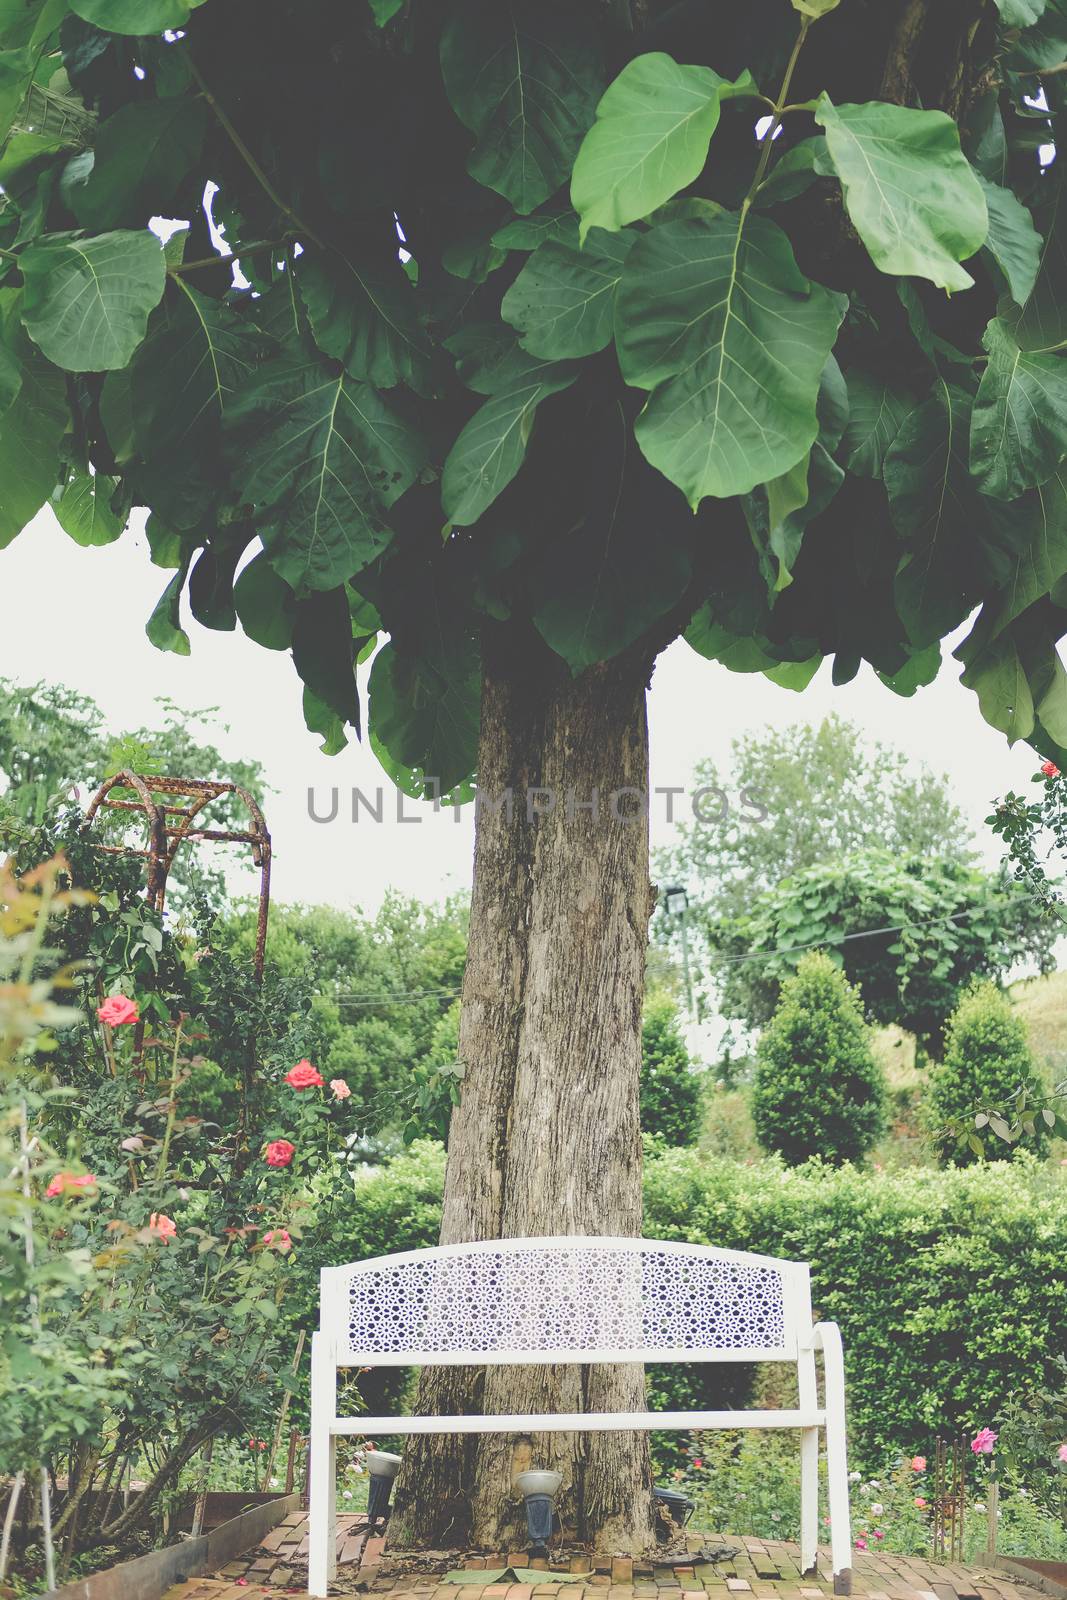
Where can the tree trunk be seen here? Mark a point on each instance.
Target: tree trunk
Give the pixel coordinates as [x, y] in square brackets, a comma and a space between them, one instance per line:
[546, 1139]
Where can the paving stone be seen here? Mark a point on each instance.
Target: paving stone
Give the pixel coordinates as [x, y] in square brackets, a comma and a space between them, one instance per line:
[738, 1583]
[622, 1570]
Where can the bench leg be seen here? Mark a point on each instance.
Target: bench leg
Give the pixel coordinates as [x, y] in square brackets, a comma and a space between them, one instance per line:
[322, 1477]
[809, 1498]
[837, 1464]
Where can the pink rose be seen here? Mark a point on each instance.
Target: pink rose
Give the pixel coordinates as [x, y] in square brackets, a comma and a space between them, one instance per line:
[918, 1463]
[983, 1442]
[278, 1239]
[1061, 1453]
[1050, 769]
[340, 1088]
[920, 1503]
[304, 1076]
[878, 1534]
[68, 1183]
[162, 1226]
[279, 1153]
[117, 1010]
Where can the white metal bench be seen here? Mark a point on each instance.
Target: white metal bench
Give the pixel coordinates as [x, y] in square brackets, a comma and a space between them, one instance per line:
[576, 1300]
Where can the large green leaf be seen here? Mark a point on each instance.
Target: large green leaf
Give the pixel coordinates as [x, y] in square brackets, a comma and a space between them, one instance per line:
[264, 604]
[1044, 43]
[911, 193]
[142, 153]
[935, 507]
[164, 626]
[84, 512]
[1041, 324]
[563, 300]
[16, 74]
[185, 376]
[1039, 561]
[424, 712]
[25, 22]
[524, 76]
[30, 432]
[87, 301]
[650, 139]
[320, 458]
[618, 580]
[133, 16]
[998, 678]
[718, 321]
[10, 376]
[1019, 427]
[1020, 13]
[323, 654]
[366, 318]
[490, 449]
[1013, 242]
[876, 410]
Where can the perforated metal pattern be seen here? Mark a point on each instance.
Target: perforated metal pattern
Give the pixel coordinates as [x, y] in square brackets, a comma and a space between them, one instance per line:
[546, 1298]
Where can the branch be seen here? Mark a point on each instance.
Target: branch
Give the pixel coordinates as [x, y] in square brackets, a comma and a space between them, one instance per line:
[1051, 72]
[235, 255]
[250, 161]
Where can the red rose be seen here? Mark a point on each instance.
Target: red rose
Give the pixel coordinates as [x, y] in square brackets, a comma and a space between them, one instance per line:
[304, 1076]
[117, 1010]
[279, 1153]
[1050, 769]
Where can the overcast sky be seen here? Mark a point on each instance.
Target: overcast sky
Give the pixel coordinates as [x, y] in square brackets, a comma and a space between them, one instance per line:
[77, 617]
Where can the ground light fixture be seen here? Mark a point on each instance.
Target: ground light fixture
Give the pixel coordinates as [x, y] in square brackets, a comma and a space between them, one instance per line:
[383, 1468]
[539, 1490]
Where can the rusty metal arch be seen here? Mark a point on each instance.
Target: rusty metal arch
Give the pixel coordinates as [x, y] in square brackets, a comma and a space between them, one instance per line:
[165, 838]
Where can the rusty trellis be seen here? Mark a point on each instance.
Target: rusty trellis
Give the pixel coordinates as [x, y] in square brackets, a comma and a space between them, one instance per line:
[949, 1499]
[172, 825]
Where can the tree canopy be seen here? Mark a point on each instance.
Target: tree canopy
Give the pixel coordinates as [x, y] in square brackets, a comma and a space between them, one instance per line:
[599, 321]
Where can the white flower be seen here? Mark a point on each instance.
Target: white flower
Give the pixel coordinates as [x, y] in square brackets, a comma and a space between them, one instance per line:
[854, 1477]
[346, 1494]
[776, 1516]
[874, 1484]
[978, 1505]
[876, 1508]
[274, 1483]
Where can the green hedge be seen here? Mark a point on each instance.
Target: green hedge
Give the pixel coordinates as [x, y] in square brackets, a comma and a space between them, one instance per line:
[948, 1286]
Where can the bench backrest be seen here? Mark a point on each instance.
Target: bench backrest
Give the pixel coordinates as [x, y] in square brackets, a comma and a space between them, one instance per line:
[542, 1301]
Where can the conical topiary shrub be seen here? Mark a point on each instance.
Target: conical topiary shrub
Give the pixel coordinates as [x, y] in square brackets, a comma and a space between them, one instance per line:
[818, 1090]
[987, 1060]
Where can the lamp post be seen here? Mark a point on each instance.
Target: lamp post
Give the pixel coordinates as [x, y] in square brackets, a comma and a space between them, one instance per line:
[676, 903]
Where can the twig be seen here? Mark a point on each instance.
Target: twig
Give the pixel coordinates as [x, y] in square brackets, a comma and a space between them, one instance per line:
[235, 255]
[1051, 72]
[250, 161]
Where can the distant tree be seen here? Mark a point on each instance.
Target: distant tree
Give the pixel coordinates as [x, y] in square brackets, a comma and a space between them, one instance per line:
[790, 800]
[955, 924]
[818, 1090]
[384, 992]
[670, 1089]
[987, 1061]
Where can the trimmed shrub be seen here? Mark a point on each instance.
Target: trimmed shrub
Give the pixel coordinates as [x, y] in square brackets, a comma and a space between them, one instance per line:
[671, 1091]
[948, 1285]
[818, 1090]
[987, 1061]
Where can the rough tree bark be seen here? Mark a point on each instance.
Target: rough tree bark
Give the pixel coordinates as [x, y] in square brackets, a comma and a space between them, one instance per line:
[546, 1139]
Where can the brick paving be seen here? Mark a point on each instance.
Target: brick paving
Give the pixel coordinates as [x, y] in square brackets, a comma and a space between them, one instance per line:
[759, 1569]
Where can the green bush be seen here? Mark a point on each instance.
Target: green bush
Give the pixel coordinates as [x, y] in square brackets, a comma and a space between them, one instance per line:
[987, 1061]
[818, 1090]
[671, 1091]
[948, 1285]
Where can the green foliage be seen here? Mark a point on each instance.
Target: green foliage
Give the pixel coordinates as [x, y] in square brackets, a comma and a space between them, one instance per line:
[986, 1062]
[818, 1091]
[671, 1092]
[930, 928]
[681, 315]
[1031, 1429]
[946, 1284]
[811, 794]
